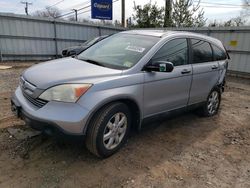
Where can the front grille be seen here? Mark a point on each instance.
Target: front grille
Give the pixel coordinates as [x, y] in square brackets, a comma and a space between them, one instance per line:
[37, 102]
[28, 90]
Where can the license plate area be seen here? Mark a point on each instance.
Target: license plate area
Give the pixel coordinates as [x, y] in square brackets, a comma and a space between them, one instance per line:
[15, 109]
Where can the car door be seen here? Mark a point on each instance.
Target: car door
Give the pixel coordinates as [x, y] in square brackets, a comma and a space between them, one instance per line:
[205, 70]
[165, 91]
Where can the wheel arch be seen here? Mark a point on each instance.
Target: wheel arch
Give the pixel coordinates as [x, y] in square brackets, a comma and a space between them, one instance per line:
[217, 87]
[132, 105]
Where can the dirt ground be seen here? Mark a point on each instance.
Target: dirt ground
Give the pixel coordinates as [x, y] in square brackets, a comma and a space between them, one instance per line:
[188, 151]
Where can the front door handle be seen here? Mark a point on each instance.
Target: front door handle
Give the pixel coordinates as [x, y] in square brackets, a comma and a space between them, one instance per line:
[214, 67]
[185, 71]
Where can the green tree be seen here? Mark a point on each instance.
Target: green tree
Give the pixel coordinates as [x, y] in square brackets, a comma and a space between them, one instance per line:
[245, 12]
[186, 14]
[150, 15]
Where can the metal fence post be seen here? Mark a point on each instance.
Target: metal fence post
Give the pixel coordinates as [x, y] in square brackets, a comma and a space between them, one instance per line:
[99, 31]
[1, 56]
[209, 32]
[55, 38]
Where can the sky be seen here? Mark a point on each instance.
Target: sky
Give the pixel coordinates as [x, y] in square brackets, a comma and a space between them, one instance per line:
[212, 9]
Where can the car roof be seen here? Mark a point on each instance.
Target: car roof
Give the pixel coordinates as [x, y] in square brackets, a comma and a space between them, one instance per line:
[162, 33]
[149, 32]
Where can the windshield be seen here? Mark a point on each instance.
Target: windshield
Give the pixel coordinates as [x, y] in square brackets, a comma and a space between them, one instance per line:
[119, 51]
[90, 42]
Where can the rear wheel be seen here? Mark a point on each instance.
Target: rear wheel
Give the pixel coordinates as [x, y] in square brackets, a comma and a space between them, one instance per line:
[212, 104]
[109, 130]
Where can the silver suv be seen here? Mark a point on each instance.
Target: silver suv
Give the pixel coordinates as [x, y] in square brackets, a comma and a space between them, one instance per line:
[120, 82]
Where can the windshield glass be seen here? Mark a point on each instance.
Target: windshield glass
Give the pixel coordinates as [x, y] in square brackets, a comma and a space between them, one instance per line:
[119, 51]
[90, 42]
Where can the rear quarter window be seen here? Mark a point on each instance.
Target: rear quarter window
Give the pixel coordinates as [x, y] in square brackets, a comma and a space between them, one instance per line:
[219, 54]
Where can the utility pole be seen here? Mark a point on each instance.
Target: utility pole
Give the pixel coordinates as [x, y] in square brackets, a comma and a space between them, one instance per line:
[168, 10]
[26, 8]
[123, 13]
[75, 13]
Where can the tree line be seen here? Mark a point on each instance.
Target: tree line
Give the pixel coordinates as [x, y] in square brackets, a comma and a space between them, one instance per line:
[183, 13]
[180, 13]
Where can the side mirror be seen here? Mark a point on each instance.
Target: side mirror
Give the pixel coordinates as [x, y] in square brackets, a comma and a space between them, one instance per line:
[72, 53]
[159, 66]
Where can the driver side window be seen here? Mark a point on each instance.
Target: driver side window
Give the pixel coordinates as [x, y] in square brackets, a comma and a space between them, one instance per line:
[174, 51]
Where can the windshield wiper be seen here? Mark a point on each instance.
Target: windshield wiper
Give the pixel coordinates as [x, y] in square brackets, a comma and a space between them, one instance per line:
[93, 62]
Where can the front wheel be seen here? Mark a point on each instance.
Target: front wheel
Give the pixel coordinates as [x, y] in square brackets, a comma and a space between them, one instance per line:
[109, 130]
[212, 104]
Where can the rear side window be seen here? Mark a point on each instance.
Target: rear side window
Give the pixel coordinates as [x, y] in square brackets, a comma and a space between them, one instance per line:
[202, 51]
[219, 54]
[174, 51]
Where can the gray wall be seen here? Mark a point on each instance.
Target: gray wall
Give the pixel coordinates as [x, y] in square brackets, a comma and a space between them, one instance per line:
[29, 38]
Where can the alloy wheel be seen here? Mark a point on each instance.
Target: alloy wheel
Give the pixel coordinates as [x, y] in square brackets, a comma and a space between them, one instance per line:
[213, 102]
[115, 130]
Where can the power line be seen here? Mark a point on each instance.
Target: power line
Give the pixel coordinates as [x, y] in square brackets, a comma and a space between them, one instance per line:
[72, 12]
[223, 4]
[77, 5]
[55, 4]
[84, 7]
[213, 6]
[64, 14]
[48, 7]
[78, 13]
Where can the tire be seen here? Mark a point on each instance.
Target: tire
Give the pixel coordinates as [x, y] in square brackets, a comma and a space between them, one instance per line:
[108, 130]
[212, 105]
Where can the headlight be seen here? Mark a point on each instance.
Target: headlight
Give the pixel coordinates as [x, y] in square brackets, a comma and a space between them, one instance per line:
[65, 92]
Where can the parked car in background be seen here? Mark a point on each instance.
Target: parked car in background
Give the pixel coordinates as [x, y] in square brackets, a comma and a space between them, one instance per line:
[120, 82]
[75, 50]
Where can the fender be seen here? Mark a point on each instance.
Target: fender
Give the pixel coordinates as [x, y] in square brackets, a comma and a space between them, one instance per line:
[137, 123]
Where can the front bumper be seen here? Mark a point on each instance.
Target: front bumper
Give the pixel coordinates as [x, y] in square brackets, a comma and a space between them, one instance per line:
[69, 118]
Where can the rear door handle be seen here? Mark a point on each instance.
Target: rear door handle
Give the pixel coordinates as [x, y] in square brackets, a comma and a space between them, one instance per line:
[214, 67]
[185, 71]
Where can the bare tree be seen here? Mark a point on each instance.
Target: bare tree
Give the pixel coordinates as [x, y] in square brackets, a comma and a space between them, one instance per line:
[245, 13]
[214, 23]
[246, 7]
[238, 21]
[71, 18]
[49, 12]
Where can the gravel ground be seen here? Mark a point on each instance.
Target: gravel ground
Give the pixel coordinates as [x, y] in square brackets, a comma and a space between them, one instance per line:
[186, 151]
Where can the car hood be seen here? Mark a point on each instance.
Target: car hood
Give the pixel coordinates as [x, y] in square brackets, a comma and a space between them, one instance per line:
[76, 47]
[66, 70]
